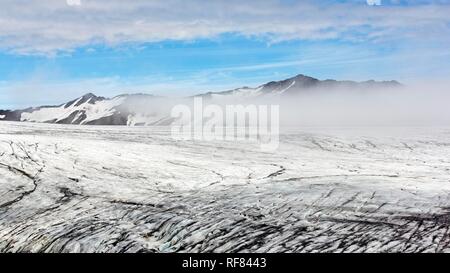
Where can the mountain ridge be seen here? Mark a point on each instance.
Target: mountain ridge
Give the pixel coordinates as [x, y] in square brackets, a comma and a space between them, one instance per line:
[145, 109]
[301, 82]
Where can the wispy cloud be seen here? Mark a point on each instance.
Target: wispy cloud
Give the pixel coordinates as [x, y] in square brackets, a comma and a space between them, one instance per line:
[51, 26]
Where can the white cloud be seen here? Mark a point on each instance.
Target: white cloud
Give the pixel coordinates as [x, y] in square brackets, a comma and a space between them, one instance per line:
[374, 2]
[73, 2]
[49, 26]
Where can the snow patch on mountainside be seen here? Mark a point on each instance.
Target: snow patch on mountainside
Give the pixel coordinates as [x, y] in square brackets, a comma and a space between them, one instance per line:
[90, 111]
[284, 90]
[102, 109]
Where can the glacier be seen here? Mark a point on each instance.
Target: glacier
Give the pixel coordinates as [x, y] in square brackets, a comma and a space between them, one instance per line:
[73, 188]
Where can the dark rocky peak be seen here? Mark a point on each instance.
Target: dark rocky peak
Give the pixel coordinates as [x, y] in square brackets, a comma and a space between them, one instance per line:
[89, 97]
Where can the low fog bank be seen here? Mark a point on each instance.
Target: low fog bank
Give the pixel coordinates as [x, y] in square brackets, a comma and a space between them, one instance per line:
[420, 105]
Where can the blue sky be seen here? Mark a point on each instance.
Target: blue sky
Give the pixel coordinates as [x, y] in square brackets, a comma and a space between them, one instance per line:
[52, 51]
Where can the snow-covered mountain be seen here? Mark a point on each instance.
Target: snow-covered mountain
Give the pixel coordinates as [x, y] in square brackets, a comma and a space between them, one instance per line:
[135, 109]
[300, 84]
[143, 109]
